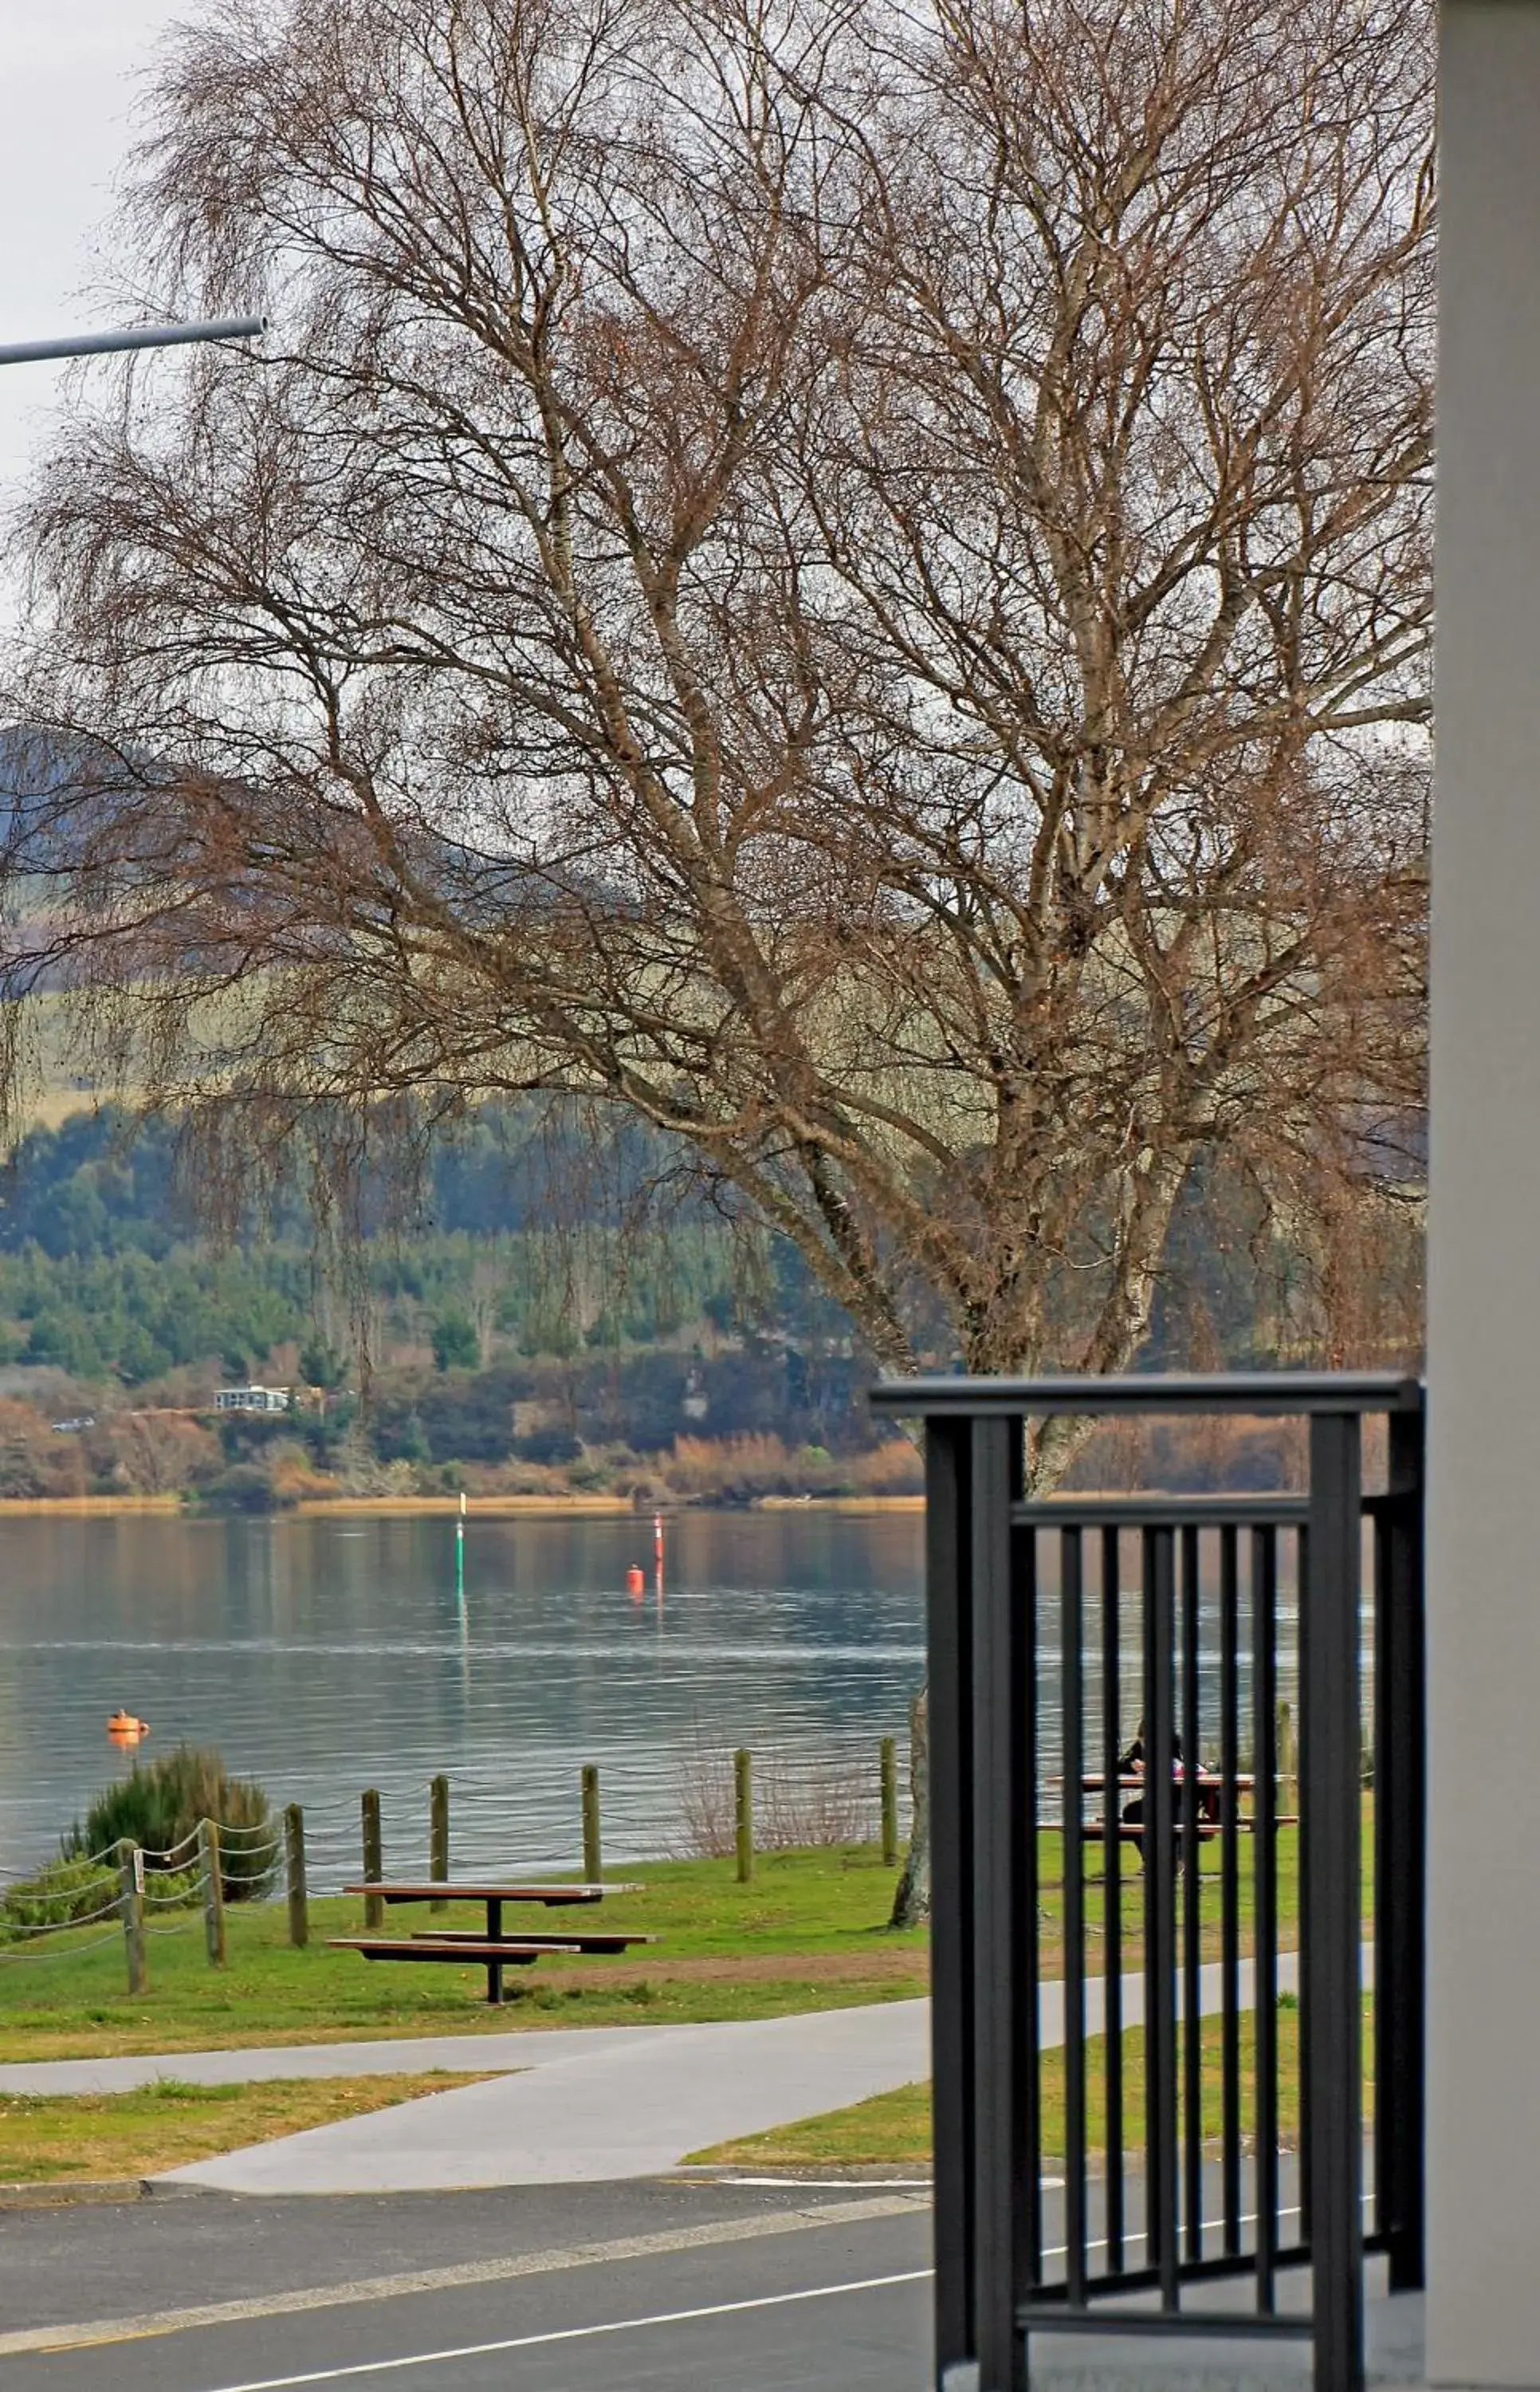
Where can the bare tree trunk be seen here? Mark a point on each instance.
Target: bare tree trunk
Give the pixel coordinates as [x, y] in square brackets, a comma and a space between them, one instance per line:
[911, 1902]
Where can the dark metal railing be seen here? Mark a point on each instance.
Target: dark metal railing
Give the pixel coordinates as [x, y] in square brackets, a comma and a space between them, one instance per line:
[1054, 1629]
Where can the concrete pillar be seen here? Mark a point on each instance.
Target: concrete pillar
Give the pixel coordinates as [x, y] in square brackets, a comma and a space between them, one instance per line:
[1484, 2174]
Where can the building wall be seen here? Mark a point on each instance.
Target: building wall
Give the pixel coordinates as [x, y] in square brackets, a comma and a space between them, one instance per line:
[1484, 2306]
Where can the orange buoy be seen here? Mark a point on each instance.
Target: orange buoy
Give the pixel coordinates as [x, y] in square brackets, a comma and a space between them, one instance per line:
[636, 1581]
[126, 1728]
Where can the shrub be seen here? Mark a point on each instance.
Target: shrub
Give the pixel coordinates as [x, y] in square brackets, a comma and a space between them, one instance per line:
[456, 1345]
[69, 1893]
[732, 1469]
[245, 1487]
[157, 1806]
[58, 1894]
[894, 1467]
[800, 1804]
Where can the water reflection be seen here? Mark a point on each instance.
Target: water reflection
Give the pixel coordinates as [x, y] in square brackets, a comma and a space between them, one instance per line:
[323, 1655]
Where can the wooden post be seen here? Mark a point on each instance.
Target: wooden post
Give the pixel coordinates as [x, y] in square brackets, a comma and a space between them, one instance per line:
[213, 1893]
[742, 1783]
[131, 1903]
[374, 1865]
[593, 1858]
[299, 1904]
[1288, 1762]
[889, 1802]
[438, 1835]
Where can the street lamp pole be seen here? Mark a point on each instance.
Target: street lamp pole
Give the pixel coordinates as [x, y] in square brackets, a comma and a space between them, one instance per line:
[141, 336]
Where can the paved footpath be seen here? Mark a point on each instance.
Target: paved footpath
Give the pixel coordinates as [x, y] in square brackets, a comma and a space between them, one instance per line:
[632, 2108]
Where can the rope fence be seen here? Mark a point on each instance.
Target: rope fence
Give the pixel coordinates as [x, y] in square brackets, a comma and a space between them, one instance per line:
[72, 1951]
[53, 1926]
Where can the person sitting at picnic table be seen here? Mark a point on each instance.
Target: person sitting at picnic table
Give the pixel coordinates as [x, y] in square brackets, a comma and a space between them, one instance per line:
[1131, 1764]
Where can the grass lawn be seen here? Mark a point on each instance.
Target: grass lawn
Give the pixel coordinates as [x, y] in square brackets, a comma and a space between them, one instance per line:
[809, 1932]
[50, 2139]
[894, 2130]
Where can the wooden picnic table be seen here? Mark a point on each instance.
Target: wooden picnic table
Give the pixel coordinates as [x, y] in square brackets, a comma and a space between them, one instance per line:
[494, 1948]
[1210, 1786]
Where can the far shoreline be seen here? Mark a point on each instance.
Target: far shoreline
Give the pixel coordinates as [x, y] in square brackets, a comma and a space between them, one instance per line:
[440, 1506]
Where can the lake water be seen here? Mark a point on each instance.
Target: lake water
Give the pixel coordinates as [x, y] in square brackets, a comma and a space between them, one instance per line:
[325, 1654]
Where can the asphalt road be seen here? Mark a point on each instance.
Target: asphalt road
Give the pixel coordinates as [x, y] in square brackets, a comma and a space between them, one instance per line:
[631, 2287]
[842, 2302]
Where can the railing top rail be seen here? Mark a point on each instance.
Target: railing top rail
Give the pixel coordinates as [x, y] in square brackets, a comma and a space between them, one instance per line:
[1137, 1511]
[1251, 1393]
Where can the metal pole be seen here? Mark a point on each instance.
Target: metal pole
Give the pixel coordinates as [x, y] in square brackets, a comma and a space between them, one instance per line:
[1400, 1805]
[1162, 2183]
[996, 1668]
[1332, 2066]
[949, 1607]
[139, 336]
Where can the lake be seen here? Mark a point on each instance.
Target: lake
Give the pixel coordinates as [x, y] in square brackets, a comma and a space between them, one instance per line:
[327, 1654]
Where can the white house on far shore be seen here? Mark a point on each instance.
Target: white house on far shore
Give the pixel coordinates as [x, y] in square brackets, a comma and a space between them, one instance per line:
[251, 1399]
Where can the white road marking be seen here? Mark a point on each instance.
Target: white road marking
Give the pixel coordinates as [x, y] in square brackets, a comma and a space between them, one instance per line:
[624, 2325]
[809, 2183]
[575, 2333]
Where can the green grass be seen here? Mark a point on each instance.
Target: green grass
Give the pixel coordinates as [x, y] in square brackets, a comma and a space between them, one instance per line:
[51, 2139]
[894, 2130]
[809, 1932]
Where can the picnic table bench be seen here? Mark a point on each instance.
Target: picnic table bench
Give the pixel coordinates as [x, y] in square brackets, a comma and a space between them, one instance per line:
[1211, 1816]
[491, 1947]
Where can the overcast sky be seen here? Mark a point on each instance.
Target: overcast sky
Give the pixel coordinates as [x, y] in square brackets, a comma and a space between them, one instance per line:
[67, 91]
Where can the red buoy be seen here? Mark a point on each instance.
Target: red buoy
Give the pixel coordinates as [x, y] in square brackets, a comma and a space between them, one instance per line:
[636, 1581]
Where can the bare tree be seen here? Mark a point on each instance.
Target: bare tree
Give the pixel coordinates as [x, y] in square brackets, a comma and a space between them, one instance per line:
[850, 579]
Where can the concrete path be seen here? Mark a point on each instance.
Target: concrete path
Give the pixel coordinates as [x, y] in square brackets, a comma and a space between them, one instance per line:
[628, 2108]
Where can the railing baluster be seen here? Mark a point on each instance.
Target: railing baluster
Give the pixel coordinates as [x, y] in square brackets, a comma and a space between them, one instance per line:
[1072, 1699]
[1112, 1895]
[1229, 1867]
[1003, 1986]
[1332, 2088]
[1025, 1553]
[1400, 1859]
[1301, 1845]
[1162, 2155]
[1192, 1940]
[954, 2092]
[1265, 1695]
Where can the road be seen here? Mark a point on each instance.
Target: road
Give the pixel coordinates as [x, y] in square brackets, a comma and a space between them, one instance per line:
[763, 2288]
[632, 2287]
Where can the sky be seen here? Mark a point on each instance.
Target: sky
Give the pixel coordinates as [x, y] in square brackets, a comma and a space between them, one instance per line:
[67, 91]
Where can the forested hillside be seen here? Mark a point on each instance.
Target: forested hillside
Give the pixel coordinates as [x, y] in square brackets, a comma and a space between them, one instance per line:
[545, 1314]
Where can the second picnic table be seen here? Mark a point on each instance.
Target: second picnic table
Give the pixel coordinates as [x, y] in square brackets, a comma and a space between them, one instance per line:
[495, 1949]
[1209, 1786]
